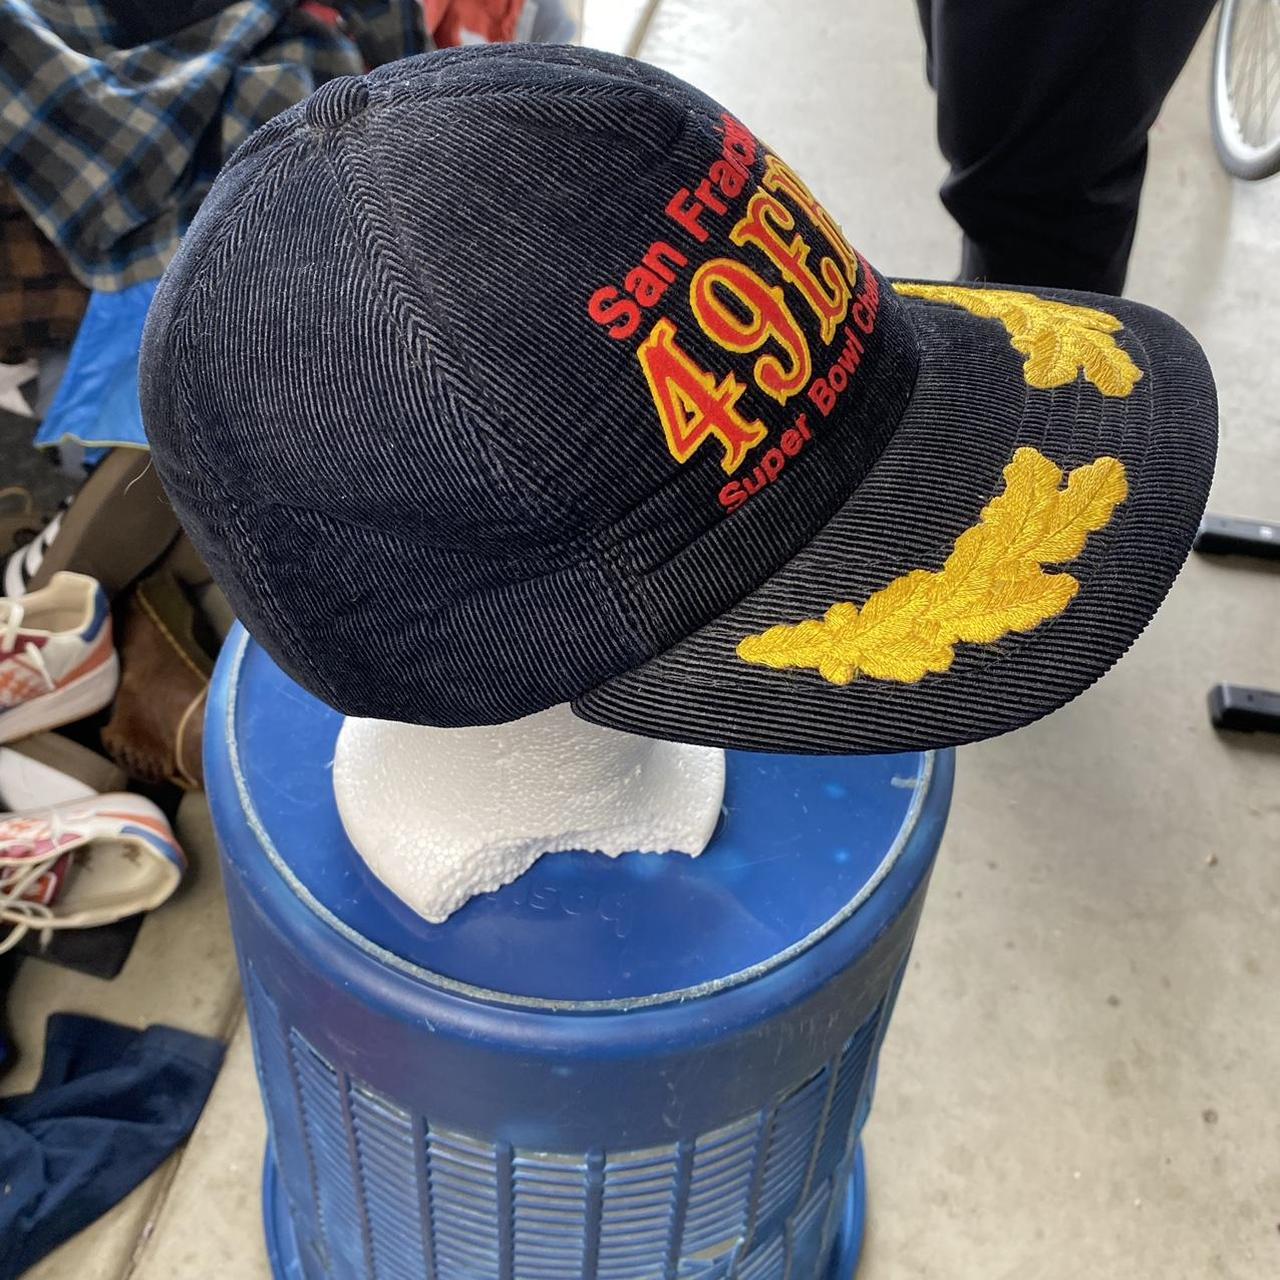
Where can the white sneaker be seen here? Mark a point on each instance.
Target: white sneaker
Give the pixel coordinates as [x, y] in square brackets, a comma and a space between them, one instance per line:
[48, 769]
[57, 659]
[83, 864]
[24, 563]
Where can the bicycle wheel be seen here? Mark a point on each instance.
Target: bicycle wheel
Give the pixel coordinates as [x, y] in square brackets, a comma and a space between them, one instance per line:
[1246, 87]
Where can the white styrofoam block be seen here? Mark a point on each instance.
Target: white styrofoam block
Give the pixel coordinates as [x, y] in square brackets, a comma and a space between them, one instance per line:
[440, 815]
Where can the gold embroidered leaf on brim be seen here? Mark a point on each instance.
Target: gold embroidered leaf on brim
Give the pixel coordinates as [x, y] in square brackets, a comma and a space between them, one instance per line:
[1059, 339]
[992, 584]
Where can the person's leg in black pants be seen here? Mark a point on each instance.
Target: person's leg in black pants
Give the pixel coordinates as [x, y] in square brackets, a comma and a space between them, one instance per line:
[1043, 113]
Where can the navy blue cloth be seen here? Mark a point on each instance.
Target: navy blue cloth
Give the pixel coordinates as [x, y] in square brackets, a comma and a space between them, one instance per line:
[111, 1104]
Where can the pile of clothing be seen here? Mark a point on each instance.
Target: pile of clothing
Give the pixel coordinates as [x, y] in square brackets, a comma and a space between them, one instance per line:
[115, 118]
[109, 627]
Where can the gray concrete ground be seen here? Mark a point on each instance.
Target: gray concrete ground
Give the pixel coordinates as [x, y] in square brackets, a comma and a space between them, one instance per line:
[34, 470]
[1082, 1077]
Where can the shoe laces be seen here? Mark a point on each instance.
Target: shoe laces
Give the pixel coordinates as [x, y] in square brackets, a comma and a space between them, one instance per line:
[16, 910]
[12, 613]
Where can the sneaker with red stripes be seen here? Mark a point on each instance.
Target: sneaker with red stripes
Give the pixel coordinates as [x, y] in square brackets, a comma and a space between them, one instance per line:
[90, 862]
[57, 659]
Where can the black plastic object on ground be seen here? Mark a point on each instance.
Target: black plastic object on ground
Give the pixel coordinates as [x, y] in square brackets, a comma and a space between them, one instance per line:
[1233, 706]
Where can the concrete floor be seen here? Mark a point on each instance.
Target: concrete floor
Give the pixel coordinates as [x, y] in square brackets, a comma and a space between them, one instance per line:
[1082, 1077]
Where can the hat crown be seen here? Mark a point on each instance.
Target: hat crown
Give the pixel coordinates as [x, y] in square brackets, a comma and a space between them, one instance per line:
[524, 362]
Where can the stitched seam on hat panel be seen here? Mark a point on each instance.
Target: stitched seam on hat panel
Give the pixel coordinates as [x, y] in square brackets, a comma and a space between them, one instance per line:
[490, 443]
[584, 123]
[393, 287]
[566, 501]
[574, 57]
[225, 243]
[429, 66]
[606, 560]
[426, 68]
[276, 129]
[625, 91]
[621, 94]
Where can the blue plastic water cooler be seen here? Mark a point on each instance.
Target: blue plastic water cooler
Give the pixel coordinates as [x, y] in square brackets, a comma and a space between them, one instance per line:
[645, 1068]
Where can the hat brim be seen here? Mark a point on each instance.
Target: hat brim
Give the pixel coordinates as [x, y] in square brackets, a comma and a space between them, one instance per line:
[971, 413]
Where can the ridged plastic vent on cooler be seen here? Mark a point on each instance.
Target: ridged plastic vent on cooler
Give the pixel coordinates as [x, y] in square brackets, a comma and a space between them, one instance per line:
[389, 1196]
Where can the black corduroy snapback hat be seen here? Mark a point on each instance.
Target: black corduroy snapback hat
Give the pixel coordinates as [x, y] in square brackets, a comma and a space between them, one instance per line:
[512, 376]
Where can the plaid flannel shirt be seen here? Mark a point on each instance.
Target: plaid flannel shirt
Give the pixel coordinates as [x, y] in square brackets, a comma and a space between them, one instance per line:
[110, 149]
[41, 302]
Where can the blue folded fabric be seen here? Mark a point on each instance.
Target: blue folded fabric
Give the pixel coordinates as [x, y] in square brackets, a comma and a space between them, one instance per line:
[97, 401]
[111, 1104]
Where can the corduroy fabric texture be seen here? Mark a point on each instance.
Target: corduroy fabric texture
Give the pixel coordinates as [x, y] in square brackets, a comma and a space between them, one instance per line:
[970, 411]
[380, 407]
[505, 377]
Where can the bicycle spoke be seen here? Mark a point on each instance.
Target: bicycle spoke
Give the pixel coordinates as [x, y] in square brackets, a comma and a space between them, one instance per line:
[1258, 78]
[1263, 87]
[1243, 91]
[1258, 41]
[1232, 62]
[1243, 56]
[1272, 92]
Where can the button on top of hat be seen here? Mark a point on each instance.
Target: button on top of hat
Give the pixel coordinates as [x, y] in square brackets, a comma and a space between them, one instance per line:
[337, 102]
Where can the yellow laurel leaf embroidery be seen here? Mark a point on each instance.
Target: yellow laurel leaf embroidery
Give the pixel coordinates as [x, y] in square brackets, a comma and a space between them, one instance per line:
[1059, 339]
[992, 584]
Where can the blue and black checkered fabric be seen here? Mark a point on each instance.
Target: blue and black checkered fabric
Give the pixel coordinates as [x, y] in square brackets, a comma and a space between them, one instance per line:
[111, 139]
